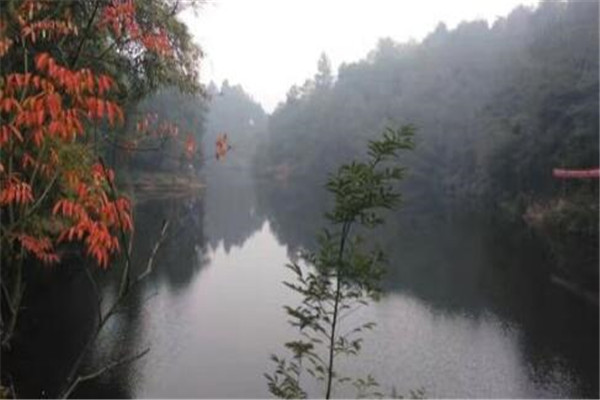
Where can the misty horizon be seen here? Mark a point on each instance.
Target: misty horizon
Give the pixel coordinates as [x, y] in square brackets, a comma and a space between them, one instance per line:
[254, 72]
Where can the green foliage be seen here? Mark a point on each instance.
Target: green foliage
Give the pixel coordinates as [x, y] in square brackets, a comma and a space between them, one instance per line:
[367, 388]
[138, 72]
[412, 394]
[498, 106]
[285, 382]
[360, 188]
[181, 70]
[342, 275]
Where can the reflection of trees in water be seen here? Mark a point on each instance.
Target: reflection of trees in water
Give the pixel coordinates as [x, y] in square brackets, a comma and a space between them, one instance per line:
[454, 264]
[459, 264]
[451, 265]
[179, 258]
[230, 196]
[61, 307]
[295, 212]
[464, 265]
[58, 316]
[231, 215]
[182, 253]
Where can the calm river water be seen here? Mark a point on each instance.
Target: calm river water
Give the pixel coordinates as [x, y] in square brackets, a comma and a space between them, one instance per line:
[468, 311]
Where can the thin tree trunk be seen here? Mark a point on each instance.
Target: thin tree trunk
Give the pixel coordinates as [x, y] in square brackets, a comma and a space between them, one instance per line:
[345, 230]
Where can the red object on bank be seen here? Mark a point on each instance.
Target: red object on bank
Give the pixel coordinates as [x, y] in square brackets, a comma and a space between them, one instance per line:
[593, 173]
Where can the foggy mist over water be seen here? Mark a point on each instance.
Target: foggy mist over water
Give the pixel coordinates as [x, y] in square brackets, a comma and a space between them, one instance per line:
[491, 282]
[470, 310]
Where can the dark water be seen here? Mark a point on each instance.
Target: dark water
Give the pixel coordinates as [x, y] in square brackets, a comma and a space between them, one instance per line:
[469, 310]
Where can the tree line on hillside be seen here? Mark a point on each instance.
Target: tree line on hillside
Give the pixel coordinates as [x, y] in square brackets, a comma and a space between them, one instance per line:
[496, 107]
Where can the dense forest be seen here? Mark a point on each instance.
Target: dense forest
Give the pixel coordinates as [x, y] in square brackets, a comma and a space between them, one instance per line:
[496, 109]
[124, 178]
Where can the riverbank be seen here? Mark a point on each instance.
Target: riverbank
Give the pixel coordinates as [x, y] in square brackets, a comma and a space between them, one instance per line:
[161, 185]
[568, 225]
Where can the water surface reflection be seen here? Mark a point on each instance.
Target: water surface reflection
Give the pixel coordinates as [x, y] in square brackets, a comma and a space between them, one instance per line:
[468, 312]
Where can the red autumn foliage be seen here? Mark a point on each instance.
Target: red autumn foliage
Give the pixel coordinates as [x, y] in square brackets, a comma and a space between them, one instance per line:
[50, 189]
[190, 146]
[15, 191]
[119, 17]
[41, 247]
[222, 147]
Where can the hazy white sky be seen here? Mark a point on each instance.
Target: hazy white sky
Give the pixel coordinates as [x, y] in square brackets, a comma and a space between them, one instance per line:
[269, 45]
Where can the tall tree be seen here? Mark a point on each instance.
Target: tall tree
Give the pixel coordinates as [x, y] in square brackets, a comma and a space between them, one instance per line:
[323, 78]
[69, 69]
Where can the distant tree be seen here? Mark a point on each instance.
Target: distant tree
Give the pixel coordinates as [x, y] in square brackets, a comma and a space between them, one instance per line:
[323, 78]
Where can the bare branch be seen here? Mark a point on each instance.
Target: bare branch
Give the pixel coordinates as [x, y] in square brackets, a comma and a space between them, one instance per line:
[106, 368]
[87, 32]
[118, 145]
[8, 300]
[159, 242]
[104, 318]
[96, 293]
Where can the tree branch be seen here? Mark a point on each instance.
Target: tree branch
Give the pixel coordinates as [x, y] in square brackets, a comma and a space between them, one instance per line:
[11, 308]
[125, 276]
[102, 321]
[106, 368]
[157, 245]
[96, 292]
[87, 31]
[122, 147]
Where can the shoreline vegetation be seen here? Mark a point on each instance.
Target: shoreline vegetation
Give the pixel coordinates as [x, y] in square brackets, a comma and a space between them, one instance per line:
[162, 185]
[102, 110]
